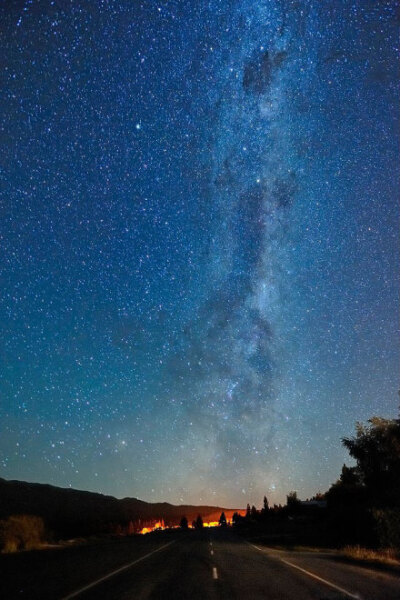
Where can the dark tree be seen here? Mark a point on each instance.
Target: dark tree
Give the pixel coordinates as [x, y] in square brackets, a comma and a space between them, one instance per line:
[348, 490]
[248, 511]
[253, 512]
[222, 520]
[376, 448]
[364, 505]
[184, 523]
[292, 502]
[349, 476]
[199, 522]
[235, 518]
[265, 504]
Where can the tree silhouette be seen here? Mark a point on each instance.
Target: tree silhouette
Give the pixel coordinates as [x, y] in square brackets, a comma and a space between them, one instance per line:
[376, 448]
[222, 520]
[349, 476]
[364, 503]
[236, 518]
[184, 523]
[199, 522]
[265, 504]
[347, 492]
[292, 502]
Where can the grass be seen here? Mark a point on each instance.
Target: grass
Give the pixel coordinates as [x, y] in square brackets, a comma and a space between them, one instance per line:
[385, 556]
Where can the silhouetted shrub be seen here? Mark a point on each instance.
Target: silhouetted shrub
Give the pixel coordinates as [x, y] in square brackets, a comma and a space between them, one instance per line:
[387, 523]
[21, 532]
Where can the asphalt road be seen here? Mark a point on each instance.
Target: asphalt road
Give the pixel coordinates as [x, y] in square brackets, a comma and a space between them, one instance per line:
[215, 564]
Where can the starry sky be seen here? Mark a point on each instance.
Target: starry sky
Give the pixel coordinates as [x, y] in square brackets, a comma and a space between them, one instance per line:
[199, 253]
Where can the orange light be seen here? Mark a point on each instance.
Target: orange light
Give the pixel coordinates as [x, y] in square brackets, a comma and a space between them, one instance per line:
[159, 525]
[145, 530]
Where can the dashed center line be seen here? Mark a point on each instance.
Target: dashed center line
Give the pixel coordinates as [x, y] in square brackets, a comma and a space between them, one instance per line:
[215, 573]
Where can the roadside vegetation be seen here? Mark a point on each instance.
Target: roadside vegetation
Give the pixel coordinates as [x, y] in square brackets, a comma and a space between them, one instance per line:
[21, 532]
[360, 512]
[387, 556]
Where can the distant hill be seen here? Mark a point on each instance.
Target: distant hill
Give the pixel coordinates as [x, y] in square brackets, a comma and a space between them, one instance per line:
[68, 512]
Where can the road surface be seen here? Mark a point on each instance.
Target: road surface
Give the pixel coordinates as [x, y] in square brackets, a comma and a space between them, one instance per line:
[217, 564]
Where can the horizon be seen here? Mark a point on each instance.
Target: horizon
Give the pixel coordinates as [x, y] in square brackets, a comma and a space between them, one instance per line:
[124, 497]
[204, 504]
[199, 265]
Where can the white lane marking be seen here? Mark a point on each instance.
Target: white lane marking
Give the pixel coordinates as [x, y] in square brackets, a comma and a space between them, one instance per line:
[314, 576]
[212, 552]
[215, 573]
[123, 568]
[332, 585]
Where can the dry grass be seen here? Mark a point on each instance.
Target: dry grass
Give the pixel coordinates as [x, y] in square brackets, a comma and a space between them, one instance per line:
[387, 556]
[21, 532]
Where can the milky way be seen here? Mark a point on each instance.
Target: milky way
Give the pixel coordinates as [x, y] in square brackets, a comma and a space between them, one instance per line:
[199, 260]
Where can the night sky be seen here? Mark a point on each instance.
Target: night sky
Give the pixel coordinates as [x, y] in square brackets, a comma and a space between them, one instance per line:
[199, 242]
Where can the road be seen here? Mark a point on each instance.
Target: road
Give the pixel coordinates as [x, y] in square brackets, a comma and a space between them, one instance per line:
[217, 564]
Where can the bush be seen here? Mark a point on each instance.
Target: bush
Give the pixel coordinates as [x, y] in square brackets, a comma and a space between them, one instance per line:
[387, 525]
[21, 532]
